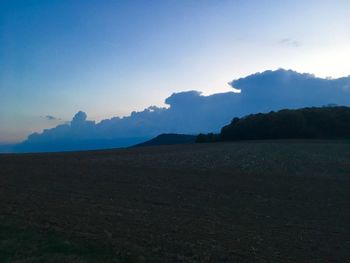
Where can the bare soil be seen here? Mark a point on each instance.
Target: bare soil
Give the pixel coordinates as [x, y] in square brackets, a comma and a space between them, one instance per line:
[272, 201]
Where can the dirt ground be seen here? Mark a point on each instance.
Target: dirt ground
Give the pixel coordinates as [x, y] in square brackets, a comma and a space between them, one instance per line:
[277, 201]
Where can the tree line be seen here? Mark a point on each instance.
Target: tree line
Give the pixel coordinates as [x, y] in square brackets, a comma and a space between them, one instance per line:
[330, 122]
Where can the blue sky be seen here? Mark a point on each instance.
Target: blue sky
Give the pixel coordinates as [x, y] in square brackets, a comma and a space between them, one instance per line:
[109, 58]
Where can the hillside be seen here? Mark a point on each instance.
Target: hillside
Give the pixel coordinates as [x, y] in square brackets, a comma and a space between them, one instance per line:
[169, 139]
[306, 123]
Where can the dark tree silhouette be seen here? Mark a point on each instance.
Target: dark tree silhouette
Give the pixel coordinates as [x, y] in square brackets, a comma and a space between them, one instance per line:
[316, 123]
[328, 122]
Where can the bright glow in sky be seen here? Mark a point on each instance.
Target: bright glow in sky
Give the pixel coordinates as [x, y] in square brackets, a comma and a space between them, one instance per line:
[109, 58]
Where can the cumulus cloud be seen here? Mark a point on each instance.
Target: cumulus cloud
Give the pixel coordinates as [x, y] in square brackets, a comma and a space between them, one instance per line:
[271, 90]
[191, 112]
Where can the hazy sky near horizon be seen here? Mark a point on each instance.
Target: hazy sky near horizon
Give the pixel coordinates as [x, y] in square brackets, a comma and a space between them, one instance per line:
[109, 58]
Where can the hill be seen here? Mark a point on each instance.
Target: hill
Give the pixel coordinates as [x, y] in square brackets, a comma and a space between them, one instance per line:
[306, 123]
[169, 139]
[331, 122]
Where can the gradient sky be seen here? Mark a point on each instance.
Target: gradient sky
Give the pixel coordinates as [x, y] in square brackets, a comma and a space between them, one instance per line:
[109, 58]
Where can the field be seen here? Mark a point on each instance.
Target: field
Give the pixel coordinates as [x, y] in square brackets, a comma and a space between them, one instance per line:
[273, 201]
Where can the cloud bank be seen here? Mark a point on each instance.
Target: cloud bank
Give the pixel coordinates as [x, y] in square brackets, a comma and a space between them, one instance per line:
[190, 112]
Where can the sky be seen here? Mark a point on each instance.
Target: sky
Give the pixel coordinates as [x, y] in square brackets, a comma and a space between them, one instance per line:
[109, 58]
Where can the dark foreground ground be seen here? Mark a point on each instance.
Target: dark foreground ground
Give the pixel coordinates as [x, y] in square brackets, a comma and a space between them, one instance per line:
[225, 202]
